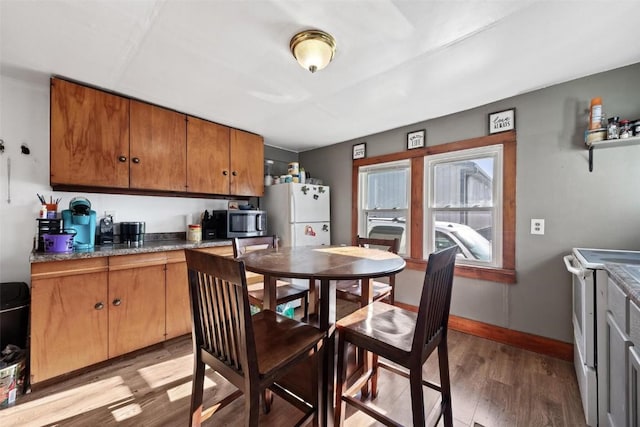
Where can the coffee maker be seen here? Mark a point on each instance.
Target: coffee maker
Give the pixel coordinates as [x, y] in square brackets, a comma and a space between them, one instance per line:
[106, 230]
[82, 219]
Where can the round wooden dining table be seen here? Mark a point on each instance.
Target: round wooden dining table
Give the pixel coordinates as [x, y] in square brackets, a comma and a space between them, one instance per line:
[324, 264]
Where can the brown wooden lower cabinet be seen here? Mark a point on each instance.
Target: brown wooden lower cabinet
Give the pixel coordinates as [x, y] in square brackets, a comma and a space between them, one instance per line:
[178, 321]
[136, 301]
[86, 311]
[69, 319]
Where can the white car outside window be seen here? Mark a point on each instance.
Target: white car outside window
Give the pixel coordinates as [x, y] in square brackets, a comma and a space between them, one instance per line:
[471, 244]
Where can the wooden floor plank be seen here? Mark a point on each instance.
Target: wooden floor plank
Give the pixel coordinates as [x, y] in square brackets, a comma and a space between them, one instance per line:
[492, 385]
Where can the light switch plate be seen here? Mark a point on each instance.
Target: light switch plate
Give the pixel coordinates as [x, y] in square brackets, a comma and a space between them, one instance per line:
[537, 226]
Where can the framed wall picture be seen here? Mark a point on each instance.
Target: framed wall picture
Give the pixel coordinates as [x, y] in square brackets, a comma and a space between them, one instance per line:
[502, 121]
[416, 139]
[359, 151]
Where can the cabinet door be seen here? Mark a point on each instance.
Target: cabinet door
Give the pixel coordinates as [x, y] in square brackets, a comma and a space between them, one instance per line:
[247, 164]
[69, 324]
[136, 308]
[617, 360]
[158, 148]
[178, 303]
[207, 157]
[89, 136]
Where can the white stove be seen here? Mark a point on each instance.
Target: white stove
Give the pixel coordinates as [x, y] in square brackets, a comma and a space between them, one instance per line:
[596, 258]
[589, 287]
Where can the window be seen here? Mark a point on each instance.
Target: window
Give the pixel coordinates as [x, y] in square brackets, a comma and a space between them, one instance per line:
[464, 208]
[461, 193]
[383, 211]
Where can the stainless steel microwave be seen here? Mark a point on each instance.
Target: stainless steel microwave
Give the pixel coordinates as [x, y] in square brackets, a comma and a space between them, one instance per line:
[239, 223]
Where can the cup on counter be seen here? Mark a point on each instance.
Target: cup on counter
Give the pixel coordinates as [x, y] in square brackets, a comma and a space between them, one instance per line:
[194, 233]
[52, 210]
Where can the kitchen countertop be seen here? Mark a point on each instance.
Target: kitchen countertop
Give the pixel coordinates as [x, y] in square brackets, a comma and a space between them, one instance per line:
[628, 277]
[124, 249]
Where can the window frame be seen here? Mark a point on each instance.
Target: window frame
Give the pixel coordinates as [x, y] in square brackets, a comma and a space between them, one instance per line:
[416, 260]
[362, 183]
[431, 162]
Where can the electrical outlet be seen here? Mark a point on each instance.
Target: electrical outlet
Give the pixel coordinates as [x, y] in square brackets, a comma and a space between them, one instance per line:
[537, 226]
[112, 214]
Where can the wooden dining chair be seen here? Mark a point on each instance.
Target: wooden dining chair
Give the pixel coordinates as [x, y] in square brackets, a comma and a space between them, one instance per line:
[351, 290]
[285, 292]
[404, 338]
[251, 352]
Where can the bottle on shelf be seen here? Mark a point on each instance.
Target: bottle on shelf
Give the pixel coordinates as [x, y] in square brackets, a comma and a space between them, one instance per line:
[625, 129]
[595, 114]
[612, 128]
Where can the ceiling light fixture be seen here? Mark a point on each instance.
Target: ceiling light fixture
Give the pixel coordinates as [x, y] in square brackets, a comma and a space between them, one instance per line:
[313, 49]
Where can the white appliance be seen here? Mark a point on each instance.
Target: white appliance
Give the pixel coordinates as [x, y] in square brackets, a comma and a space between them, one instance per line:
[589, 316]
[298, 213]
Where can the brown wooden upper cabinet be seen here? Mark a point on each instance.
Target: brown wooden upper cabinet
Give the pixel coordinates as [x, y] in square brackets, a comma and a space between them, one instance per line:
[246, 154]
[99, 139]
[158, 148]
[89, 136]
[224, 161]
[207, 157]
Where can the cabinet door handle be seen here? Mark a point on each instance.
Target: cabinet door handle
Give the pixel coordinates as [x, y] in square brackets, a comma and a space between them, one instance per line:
[234, 173]
[117, 302]
[225, 173]
[99, 306]
[122, 159]
[135, 160]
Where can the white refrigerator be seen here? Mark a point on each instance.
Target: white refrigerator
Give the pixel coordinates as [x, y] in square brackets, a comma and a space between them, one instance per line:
[298, 213]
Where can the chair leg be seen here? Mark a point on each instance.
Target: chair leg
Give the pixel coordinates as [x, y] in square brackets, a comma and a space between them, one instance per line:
[251, 407]
[341, 386]
[318, 397]
[267, 400]
[374, 376]
[305, 301]
[361, 358]
[196, 392]
[445, 383]
[417, 402]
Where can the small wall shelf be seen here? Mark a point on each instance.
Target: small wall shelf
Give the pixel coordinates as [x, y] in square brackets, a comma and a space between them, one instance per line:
[610, 143]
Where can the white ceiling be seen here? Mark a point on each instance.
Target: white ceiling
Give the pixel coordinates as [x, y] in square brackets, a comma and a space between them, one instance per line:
[397, 62]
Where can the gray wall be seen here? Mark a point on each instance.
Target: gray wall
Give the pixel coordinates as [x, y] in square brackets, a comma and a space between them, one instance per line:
[581, 209]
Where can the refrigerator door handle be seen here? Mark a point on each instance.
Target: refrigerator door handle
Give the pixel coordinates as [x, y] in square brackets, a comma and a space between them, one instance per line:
[292, 205]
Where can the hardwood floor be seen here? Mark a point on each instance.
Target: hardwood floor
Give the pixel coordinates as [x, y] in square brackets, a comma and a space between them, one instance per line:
[492, 385]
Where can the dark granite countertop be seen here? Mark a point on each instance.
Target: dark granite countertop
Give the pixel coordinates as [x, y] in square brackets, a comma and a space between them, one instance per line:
[124, 249]
[627, 276]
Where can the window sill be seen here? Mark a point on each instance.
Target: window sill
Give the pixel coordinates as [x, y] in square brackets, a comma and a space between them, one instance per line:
[491, 274]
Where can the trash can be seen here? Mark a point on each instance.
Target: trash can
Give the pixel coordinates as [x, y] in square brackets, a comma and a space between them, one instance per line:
[14, 314]
[14, 324]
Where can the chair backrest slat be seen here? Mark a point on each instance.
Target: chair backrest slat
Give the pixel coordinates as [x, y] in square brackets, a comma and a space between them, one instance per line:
[435, 301]
[220, 307]
[207, 295]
